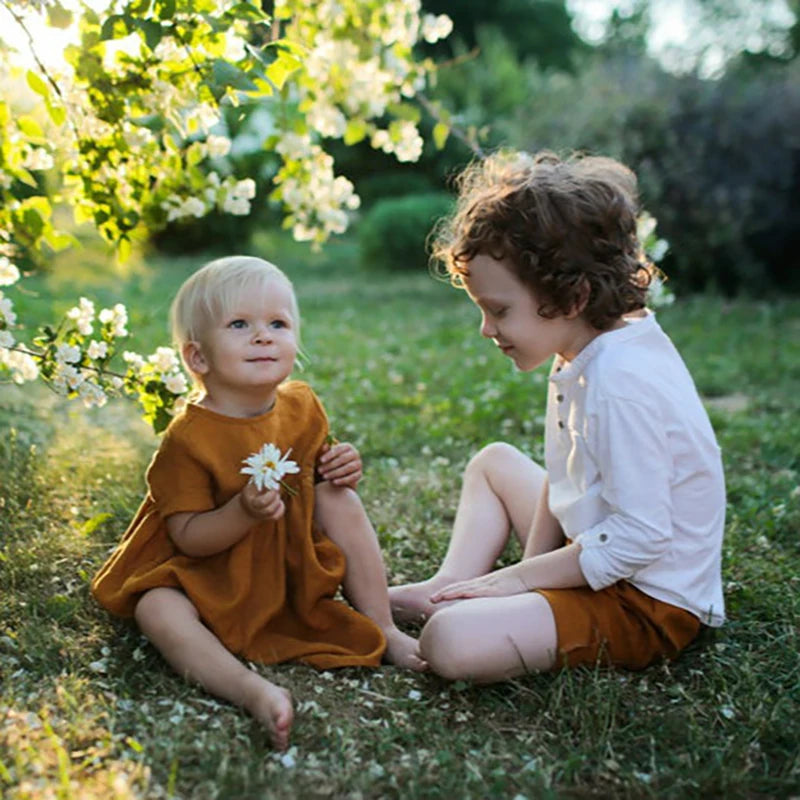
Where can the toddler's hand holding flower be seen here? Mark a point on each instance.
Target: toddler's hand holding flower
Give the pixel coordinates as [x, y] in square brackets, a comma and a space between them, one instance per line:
[263, 504]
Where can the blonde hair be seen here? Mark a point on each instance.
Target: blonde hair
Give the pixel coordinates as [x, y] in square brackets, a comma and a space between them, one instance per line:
[210, 293]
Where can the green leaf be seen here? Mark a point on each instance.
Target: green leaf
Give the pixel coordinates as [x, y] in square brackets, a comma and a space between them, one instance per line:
[33, 222]
[58, 16]
[152, 32]
[123, 250]
[405, 111]
[139, 7]
[282, 67]
[30, 127]
[115, 27]
[355, 132]
[440, 133]
[57, 113]
[165, 9]
[37, 84]
[226, 75]
[91, 525]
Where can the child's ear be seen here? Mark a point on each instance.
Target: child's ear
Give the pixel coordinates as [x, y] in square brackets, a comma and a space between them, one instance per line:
[194, 359]
[584, 293]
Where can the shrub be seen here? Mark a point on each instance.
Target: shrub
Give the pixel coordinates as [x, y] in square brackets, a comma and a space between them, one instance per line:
[392, 234]
[718, 161]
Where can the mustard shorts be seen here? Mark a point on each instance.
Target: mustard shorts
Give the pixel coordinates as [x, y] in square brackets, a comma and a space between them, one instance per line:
[617, 626]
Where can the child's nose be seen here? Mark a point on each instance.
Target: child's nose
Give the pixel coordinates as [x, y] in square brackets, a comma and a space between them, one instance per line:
[262, 333]
[487, 328]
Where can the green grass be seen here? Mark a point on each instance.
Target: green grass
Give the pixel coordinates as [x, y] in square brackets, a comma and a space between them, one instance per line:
[88, 709]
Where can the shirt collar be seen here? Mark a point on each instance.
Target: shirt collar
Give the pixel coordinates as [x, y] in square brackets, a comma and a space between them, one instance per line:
[564, 370]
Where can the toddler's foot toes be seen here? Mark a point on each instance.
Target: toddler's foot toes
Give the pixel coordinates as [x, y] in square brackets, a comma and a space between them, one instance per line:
[272, 706]
[402, 650]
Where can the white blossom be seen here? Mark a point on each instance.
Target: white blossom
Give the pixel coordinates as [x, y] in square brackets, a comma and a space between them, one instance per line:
[97, 349]
[294, 146]
[136, 361]
[164, 359]
[38, 159]
[83, 316]
[7, 315]
[238, 206]
[218, 146]
[245, 188]
[92, 394]
[176, 383]
[68, 354]
[6, 339]
[9, 273]
[436, 27]
[116, 318]
[22, 366]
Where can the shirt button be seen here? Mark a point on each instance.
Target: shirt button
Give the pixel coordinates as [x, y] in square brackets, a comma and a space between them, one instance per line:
[603, 537]
[560, 423]
[560, 398]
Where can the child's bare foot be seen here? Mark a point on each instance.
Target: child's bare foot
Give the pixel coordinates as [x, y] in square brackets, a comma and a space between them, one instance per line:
[411, 601]
[402, 650]
[272, 706]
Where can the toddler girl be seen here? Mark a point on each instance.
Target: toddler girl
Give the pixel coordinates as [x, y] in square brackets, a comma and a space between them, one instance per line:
[212, 567]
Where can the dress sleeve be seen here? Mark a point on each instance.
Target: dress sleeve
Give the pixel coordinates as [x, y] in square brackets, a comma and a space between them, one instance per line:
[319, 418]
[631, 448]
[177, 480]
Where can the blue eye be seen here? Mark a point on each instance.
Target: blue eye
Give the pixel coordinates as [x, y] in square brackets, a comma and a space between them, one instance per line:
[237, 324]
[278, 323]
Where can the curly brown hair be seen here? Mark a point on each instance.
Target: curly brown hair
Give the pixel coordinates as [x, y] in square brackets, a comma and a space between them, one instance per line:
[564, 226]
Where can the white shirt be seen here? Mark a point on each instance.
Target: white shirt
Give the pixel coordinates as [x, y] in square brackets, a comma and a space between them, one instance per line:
[634, 469]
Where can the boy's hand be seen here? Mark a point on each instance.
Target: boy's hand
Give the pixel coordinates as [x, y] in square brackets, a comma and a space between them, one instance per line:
[340, 464]
[501, 583]
[262, 503]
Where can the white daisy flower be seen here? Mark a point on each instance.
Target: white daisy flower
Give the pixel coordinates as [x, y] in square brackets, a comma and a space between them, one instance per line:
[267, 467]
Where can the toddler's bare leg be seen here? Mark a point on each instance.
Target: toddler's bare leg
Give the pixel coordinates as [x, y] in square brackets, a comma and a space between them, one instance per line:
[500, 491]
[491, 639]
[340, 513]
[171, 622]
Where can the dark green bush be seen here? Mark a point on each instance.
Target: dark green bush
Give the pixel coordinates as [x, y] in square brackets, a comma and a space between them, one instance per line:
[392, 234]
[718, 160]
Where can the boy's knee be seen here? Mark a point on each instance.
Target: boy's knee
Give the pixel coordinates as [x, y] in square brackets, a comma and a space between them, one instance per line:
[442, 646]
[492, 456]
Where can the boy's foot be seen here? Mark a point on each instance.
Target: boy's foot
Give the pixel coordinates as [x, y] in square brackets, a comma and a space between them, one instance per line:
[402, 650]
[272, 706]
[411, 601]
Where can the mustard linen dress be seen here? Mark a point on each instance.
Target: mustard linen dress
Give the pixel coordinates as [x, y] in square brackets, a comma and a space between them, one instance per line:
[269, 597]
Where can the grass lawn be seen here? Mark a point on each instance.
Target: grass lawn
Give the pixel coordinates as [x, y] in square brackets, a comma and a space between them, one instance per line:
[88, 709]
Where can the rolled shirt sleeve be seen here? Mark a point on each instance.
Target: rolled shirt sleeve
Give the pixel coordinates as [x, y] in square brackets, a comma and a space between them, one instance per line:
[629, 443]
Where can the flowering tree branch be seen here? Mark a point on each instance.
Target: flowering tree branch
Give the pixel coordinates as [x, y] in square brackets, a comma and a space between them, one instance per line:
[143, 93]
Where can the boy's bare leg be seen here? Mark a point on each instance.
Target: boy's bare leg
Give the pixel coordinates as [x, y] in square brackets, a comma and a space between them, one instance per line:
[491, 639]
[500, 490]
[171, 622]
[339, 512]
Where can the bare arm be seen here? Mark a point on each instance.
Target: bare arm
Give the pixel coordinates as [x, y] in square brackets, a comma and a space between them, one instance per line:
[545, 563]
[206, 533]
[558, 569]
[545, 533]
